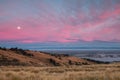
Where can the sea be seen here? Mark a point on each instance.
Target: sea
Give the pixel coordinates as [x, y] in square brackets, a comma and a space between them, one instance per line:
[98, 54]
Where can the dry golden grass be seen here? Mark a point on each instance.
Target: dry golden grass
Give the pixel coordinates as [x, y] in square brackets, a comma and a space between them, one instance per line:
[85, 72]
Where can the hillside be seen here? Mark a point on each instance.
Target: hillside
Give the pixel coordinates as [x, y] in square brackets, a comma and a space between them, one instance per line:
[19, 57]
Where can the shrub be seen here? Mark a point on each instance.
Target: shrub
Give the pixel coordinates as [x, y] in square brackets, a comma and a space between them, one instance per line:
[54, 62]
[21, 51]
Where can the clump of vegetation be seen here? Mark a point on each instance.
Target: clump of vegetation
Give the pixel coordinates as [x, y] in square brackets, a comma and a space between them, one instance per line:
[21, 51]
[18, 51]
[98, 62]
[60, 55]
[4, 61]
[54, 62]
[3, 48]
[55, 54]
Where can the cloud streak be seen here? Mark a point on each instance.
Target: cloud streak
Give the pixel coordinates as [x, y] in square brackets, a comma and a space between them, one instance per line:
[59, 20]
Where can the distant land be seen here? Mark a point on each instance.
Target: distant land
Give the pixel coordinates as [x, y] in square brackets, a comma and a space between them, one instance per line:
[80, 45]
[20, 57]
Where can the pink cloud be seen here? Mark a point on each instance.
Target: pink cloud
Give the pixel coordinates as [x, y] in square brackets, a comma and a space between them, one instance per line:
[113, 13]
[49, 27]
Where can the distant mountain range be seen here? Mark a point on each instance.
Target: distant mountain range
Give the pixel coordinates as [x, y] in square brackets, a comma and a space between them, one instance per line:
[97, 44]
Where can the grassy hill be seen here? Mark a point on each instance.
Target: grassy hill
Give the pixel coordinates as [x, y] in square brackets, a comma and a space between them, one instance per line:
[20, 57]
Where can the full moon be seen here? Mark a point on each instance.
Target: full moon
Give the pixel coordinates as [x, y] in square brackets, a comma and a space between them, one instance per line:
[18, 27]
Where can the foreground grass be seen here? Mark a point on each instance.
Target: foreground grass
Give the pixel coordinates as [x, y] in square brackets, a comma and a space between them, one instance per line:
[86, 72]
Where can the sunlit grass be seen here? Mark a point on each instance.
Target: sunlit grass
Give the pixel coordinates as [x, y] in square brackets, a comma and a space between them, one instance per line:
[85, 72]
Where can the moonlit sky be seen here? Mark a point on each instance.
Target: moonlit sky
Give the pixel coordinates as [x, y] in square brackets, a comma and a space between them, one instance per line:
[62, 21]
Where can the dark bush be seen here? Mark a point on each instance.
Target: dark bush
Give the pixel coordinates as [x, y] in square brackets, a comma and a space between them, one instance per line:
[54, 62]
[70, 62]
[98, 62]
[60, 55]
[21, 51]
[3, 48]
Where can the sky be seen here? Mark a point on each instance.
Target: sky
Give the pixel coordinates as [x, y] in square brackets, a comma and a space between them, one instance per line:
[61, 21]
